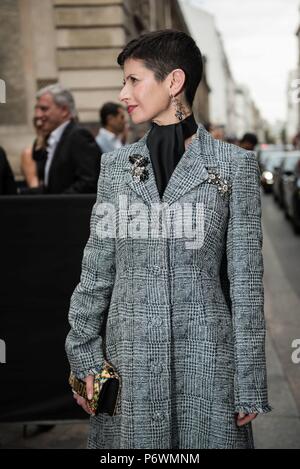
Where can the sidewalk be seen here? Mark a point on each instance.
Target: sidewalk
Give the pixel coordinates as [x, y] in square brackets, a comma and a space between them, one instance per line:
[62, 436]
[281, 427]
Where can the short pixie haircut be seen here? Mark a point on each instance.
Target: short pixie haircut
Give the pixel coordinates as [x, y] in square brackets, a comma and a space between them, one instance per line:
[164, 51]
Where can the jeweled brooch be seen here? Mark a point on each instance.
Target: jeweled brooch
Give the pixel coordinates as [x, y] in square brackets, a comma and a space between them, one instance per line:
[223, 186]
[139, 171]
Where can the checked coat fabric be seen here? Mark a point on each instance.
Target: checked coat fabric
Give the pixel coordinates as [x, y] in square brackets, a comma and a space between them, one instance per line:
[181, 320]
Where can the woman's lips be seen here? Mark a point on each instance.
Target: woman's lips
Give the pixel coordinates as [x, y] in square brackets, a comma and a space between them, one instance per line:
[130, 109]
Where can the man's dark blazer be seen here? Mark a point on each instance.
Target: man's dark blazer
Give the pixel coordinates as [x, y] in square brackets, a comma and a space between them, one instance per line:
[76, 163]
[7, 180]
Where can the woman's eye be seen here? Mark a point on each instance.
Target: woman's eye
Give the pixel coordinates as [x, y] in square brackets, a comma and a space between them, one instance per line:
[132, 79]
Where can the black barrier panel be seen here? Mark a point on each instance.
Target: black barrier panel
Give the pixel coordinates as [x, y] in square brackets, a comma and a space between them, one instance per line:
[42, 241]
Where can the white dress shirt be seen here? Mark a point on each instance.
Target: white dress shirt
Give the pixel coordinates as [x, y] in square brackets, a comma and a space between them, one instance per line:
[107, 140]
[52, 142]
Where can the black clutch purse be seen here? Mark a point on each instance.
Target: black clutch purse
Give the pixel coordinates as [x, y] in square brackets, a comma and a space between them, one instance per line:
[106, 390]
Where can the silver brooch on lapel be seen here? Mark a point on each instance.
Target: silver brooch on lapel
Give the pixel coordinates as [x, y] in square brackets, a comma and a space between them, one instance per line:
[139, 171]
[223, 186]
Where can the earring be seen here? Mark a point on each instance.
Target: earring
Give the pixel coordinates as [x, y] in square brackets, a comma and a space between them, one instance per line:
[179, 108]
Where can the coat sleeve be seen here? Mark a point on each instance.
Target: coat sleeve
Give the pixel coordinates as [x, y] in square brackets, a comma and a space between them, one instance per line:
[91, 298]
[245, 274]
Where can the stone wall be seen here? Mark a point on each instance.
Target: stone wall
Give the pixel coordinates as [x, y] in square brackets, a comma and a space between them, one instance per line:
[75, 42]
[88, 40]
[13, 112]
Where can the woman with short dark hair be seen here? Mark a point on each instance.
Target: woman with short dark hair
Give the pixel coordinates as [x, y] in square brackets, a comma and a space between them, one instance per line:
[171, 291]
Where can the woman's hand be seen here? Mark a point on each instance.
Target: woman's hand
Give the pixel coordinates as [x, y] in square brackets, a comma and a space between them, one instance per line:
[89, 380]
[242, 419]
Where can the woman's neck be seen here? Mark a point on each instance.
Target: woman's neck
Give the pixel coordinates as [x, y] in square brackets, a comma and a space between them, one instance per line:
[169, 120]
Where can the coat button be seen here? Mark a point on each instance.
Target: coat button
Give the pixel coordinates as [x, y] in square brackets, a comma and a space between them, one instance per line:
[156, 269]
[158, 416]
[180, 386]
[156, 368]
[155, 322]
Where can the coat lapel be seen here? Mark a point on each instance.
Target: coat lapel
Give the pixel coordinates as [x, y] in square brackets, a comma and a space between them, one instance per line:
[146, 189]
[188, 174]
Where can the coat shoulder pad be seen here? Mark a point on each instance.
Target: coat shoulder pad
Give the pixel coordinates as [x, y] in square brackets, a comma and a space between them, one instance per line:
[235, 154]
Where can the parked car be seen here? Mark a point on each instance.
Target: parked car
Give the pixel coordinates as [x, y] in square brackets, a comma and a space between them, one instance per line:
[277, 184]
[264, 151]
[280, 175]
[270, 165]
[291, 189]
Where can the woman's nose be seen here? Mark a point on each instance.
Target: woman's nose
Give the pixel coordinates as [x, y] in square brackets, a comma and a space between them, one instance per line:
[123, 94]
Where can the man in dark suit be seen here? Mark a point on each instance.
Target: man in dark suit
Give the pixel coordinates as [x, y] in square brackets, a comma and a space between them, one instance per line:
[7, 180]
[73, 157]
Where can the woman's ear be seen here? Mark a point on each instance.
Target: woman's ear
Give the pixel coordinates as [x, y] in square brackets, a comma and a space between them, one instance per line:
[177, 81]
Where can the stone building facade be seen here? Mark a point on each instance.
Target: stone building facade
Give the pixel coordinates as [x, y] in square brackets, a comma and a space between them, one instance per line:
[75, 42]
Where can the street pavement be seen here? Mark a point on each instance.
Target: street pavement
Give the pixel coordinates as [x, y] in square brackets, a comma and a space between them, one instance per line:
[279, 429]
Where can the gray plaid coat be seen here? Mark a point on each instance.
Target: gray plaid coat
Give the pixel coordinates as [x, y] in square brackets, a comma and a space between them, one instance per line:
[181, 320]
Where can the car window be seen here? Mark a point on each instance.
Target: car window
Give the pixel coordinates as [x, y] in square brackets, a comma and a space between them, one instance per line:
[290, 162]
[272, 162]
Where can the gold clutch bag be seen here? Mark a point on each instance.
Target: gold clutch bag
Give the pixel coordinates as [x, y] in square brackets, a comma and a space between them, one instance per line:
[106, 390]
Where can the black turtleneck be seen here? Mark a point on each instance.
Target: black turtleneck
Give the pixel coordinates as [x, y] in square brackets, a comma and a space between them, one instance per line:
[166, 147]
